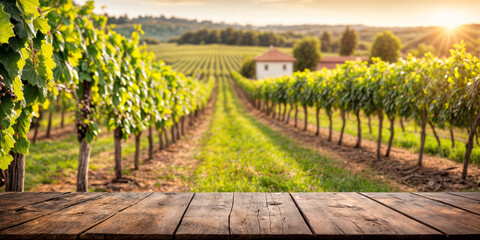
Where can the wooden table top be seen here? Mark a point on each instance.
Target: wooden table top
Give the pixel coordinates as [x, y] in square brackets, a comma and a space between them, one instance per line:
[52, 215]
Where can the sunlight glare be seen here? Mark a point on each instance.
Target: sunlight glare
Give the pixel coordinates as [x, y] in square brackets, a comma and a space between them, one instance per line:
[448, 18]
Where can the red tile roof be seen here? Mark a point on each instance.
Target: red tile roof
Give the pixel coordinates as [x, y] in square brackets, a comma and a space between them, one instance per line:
[331, 62]
[274, 55]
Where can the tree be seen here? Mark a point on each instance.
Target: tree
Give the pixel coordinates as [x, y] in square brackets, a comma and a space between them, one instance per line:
[335, 46]
[250, 38]
[326, 41]
[307, 53]
[248, 68]
[227, 36]
[267, 39]
[213, 36]
[348, 42]
[150, 40]
[386, 46]
[422, 49]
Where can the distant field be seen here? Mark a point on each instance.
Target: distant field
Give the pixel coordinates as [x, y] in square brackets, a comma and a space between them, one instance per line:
[211, 59]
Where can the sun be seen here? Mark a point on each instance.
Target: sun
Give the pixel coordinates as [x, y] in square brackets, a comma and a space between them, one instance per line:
[448, 18]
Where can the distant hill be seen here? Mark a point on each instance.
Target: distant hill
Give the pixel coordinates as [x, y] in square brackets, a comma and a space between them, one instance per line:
[164, 28]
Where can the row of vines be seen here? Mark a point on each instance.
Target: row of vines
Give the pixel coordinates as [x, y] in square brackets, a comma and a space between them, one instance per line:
[56, 51]
[442, 92]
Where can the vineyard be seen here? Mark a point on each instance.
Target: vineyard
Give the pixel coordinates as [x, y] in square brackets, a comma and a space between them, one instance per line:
[207, 60]
[107, 133]
[433, 91]
[83, 106]
[68, 56]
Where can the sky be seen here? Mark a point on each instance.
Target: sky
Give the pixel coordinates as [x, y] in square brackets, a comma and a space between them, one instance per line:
[388, 13]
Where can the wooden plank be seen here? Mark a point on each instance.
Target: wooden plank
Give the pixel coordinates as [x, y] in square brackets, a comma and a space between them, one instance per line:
[454, 200]
[353, 216]
[72, 221]
[206, 217]
[266, 216]
[471, 195]
[155, 217]
[454, 222]
[24, 214]
[21, 199]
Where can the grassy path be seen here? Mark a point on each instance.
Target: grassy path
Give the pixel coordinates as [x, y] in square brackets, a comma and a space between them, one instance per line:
[238, 153]
[241, 154]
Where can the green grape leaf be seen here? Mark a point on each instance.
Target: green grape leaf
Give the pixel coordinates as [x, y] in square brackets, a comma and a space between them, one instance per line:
[6, 28]
[46, 64]
[22, 145]
[11, 62]
[17, 88]
[5, 160]
[31, 94]
[6, 109]
[89, 136]
[31, 75]
[23, 123]
[29, 8]
[7, 142]
[41, 24]
[11, 8]
[22, 126]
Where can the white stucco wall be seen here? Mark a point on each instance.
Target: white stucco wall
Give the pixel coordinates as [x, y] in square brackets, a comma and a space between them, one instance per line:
[275, 69]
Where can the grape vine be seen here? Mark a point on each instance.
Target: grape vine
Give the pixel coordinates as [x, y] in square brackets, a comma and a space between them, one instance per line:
[58, 51]
[443, 92]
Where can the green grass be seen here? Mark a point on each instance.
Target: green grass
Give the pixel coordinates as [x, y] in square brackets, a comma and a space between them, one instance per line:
[241, 154]
[410, 139]
[50, 160]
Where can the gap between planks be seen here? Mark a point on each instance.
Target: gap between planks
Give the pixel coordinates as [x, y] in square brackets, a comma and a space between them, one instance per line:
[105, 219]
[305, 219]
[403, 213]
[467, 201]
[183, 215]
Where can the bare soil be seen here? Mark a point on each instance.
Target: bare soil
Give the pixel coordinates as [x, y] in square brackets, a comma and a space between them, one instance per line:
[170, 170]
[436, 174]
[56, 133]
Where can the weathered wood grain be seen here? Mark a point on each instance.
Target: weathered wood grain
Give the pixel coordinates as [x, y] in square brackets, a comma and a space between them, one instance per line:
[24, 214]
[239, 215]
[454, 200]
[353, 216]
[155, 217]
[21, 199]
[471, 195]
[71, 222]
[454, 222]
[266, 216]
[207, 217]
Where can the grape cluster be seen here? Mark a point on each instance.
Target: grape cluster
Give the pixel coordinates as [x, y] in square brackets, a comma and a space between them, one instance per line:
[4, 91]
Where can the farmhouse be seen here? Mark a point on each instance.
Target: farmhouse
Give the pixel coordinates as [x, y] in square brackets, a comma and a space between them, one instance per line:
[273, 64]
[331, 62]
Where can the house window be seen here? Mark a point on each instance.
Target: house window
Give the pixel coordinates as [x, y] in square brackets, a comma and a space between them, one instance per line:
[266, 67]
[284, 67]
